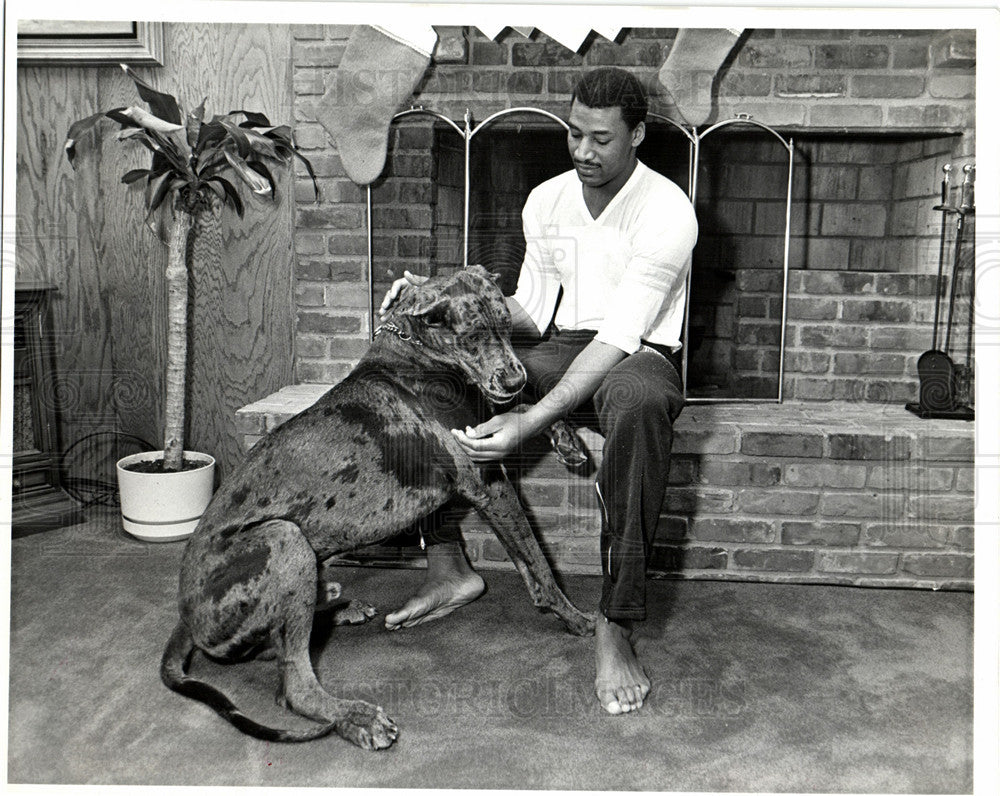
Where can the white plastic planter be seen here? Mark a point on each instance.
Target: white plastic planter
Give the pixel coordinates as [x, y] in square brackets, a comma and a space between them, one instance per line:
[164, 507]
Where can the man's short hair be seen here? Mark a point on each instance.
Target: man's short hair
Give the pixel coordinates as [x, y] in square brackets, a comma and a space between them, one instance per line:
[611, 87]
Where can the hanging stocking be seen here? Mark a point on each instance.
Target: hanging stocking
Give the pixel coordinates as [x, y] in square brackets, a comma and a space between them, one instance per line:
[691, 67]
[379, 69]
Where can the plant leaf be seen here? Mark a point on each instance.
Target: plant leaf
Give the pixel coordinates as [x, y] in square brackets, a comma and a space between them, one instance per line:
[163, 105]
[238, 135]
[161, 164]
[194, 120]
[257, 183]
[210, 133]
[312, 174]
[231, 193]
[150, 144]
[261, 169]
[76, 130]
[135, 175]
[149, 121]
[217, 189]
[256, 142]
[129, 132]
[118, 115]
[281, 133]
[212, 164]
[157, 197]
[253, 118]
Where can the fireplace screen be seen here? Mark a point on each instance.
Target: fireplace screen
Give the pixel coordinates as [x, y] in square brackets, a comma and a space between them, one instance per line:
[452, 195]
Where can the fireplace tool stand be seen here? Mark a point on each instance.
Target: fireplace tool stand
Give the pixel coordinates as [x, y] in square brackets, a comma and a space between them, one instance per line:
[940, 377]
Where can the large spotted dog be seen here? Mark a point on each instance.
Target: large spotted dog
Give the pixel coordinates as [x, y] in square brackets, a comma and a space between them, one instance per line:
[368, 459]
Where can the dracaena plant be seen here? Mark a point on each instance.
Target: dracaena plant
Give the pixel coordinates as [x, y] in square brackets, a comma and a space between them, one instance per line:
[194, 160]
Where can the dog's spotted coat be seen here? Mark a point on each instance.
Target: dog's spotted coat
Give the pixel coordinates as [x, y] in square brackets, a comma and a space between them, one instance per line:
[368, 459]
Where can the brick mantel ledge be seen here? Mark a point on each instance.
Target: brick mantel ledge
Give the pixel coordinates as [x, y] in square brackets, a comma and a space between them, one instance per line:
[858, 494]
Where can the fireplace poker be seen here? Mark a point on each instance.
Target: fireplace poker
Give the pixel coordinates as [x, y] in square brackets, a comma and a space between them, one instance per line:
[964, 209]
[944, 207]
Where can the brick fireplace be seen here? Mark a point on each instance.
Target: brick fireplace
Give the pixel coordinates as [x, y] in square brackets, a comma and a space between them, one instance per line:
[837, 484]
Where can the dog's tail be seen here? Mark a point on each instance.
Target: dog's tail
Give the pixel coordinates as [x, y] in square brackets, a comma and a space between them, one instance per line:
[173, 672]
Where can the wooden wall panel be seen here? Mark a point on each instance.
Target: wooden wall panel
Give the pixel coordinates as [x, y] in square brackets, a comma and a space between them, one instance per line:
[108, 266]
[58, 239]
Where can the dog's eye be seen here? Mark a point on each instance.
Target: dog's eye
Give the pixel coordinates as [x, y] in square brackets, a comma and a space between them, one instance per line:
[437, 319]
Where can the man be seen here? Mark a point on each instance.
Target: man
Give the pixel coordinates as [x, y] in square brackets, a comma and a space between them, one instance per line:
[601, 298]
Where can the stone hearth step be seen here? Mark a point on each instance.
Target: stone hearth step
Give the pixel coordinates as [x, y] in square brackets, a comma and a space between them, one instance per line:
[840, 493]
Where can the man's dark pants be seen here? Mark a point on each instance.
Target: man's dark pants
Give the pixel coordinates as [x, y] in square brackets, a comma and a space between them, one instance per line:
[634, 409]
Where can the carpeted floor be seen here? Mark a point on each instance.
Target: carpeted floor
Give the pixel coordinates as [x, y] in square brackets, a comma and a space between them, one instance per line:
[756, 687]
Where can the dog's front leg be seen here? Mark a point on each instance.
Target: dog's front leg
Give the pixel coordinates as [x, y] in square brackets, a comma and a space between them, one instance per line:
[329, 601]
[502, 510]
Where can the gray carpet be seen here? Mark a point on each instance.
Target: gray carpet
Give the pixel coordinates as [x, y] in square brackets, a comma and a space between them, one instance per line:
[757, 687]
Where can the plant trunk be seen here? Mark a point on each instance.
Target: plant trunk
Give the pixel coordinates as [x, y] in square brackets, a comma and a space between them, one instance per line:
[177, 301]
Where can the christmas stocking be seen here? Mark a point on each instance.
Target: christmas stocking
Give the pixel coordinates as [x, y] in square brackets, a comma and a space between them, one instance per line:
[379, 69]
[691, 67]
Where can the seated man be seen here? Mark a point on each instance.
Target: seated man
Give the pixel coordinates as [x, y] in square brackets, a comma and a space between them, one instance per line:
[614, 238]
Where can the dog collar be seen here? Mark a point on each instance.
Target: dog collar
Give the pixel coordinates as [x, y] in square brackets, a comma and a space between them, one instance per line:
[406, 337]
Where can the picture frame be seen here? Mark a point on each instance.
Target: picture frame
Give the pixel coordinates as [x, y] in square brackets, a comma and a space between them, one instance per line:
[68, 42]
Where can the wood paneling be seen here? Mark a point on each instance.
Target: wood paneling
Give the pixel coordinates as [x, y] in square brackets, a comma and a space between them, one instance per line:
[58, 241]
[82, 230]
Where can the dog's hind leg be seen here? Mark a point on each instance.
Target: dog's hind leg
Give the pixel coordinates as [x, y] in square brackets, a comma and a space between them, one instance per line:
[259, 585]
[502, 510]
[359, 722]
[294, 595]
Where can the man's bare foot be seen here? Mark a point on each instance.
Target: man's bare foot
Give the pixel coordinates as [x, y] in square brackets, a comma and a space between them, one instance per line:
[621, 684]
[449, 584]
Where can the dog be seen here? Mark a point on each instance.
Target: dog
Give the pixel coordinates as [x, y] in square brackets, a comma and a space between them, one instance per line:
[371, 457]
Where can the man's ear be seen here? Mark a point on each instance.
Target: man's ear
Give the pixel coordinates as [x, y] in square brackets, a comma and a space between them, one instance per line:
[638, 134]
[432, 310]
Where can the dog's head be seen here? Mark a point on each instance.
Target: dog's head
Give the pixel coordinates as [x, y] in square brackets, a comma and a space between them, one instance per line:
[462, 321]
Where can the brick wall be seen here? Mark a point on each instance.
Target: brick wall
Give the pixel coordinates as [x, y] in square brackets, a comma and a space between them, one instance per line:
[823, 503]
[838, 493]
[859, 205]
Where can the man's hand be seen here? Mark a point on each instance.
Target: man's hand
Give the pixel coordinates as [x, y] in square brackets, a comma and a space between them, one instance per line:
[399, 284]
[496, 438]
[502, 434]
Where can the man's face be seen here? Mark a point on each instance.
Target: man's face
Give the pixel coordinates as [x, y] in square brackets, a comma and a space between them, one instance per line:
[601, 144]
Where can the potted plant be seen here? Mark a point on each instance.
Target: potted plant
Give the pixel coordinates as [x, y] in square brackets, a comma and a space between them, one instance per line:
[163, 494]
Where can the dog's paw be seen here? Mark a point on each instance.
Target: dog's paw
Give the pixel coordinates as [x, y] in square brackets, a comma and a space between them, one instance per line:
[580, 624]
[367, 726]
[328, 591]
[354, 612]
[567, 445]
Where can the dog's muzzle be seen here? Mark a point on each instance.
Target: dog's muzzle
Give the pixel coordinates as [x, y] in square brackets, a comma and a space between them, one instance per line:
[505, 385]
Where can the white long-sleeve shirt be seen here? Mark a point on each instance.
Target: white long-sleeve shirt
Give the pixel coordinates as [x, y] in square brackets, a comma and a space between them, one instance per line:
[622, 273]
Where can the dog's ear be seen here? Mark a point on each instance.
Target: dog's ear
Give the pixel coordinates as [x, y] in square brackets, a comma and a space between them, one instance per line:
[432, 310]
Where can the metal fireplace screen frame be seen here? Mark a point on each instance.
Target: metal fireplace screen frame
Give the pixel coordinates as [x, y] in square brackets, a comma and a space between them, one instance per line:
[468, 131]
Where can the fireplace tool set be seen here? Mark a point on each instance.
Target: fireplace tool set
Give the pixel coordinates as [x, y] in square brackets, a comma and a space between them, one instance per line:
[945, 385]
